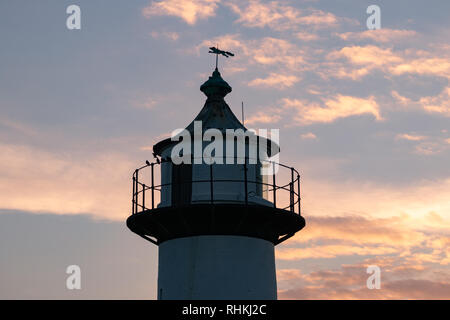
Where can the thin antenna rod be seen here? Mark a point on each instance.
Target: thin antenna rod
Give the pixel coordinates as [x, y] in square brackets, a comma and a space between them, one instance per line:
[243, 120]
[217, 56]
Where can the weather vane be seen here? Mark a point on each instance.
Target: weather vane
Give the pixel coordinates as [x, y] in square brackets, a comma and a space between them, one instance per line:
[216, 51]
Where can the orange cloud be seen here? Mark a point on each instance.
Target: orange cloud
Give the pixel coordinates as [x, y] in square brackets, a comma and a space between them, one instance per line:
[438, 104]
[257, 14]
[324, 197]
[428, 148]
[331, 251]
[306, 36]
[427, 66]
[402, 100]
[168, 35]
[275, 80]
[189, 10]
[267, 51]
[308, 135]
[36, 180]
[333, 109]
[279, 16]
[402, 277]
[381, 35]
[426, 145]
[403, 281]
[288, 274]
[319, 18]
[370, 57]
[360, 231]
[410, 137]
[263, 117]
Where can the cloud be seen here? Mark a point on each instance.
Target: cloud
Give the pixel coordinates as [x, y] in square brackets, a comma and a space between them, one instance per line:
[356, 62]
[308, 136]
[426, 145]
[370, 56]
[331, 251]
[279, 16]
[332, 109]
[301, 112]
[364, 233]
[407, 254]
[431, 147]
[265, 52]
[424, 66]
[402, 100]
[384, 35]
[263, 117]
[410, 137]
[257, 14]
[364, 59]
[411, 254]
[437, 104]
[35, 180]
[189, 10]
[166, 34]
[18, 127]
[288, 274]
[324, 197]
[271, 51]
[148, 103]
[399, 280]
[306, 36]
[419, 289]
[320, 19]
[275, 80]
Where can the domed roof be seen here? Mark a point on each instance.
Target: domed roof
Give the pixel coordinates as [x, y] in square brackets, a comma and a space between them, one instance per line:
[215, 86]
[215, 113]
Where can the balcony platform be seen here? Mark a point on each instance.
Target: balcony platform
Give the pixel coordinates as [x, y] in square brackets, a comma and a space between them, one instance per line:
[252, 220]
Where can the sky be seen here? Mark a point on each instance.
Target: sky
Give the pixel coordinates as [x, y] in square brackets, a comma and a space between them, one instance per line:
[363, 114]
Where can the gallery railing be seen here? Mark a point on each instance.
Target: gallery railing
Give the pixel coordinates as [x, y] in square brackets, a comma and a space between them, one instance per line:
[144, 194]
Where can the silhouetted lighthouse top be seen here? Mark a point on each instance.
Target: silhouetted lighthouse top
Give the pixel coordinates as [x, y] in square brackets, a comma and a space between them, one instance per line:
[227, 203]
[215, 113]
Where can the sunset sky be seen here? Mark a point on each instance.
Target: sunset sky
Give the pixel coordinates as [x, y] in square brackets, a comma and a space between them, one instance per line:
[363, 114]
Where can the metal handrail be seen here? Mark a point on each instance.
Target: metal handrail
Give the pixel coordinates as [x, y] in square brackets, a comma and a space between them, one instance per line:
[293, 187]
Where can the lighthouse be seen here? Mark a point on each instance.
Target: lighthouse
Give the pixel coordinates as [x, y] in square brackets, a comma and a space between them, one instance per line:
[216, 205]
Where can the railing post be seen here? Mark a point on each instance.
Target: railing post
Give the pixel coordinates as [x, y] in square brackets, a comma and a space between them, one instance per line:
[153, 188]
[274, 187]
[298, 196]
[245, 179]
[143, 197]
[132, 201]
[291, 190]
[137, 191]
[211, 183]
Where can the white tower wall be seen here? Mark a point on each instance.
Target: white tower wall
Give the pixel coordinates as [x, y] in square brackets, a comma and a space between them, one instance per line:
[216, 267]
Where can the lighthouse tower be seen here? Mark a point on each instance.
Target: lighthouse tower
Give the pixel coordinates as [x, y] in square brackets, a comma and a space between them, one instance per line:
[216, 223]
